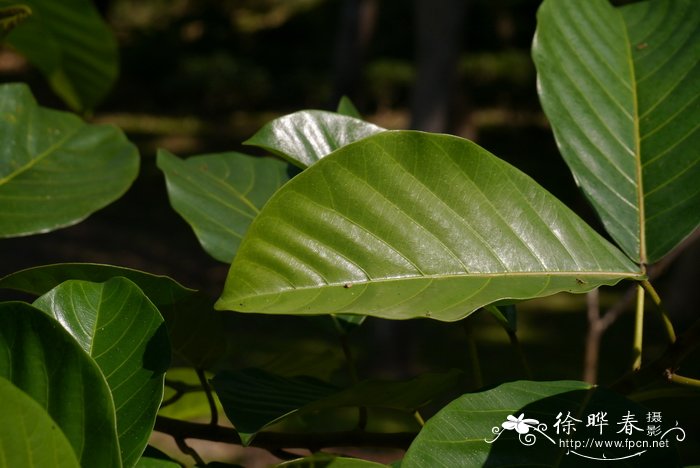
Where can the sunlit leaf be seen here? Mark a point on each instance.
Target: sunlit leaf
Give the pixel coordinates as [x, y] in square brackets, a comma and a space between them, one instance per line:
[116, 324]
[407, 224]
[304, 137]
[40, 358]
[620, 87]
[29, 438]
[72, 46]
[55, 169]
[220, 194]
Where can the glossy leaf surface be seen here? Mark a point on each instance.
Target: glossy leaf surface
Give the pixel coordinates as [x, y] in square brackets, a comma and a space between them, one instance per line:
[72, 46]
[619, 86]
[305, 137]
[29, 438]
[116, 324]
[254, 399]
[407, 224]
[476, 430]
[55, 169]
[161, 290]
[327, 460]
[219, 195]
[40, 358]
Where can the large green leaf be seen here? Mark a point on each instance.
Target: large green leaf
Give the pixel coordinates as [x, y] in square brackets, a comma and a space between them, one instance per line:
[326, 460]
[620, 89]
[39, 357]
[28, 436]
[304, 137]
[161, 290]
[254, 399]
[55, 170]
[406, 224]
[220, 194]
[470, 431]
[116, 324]
[72, 46]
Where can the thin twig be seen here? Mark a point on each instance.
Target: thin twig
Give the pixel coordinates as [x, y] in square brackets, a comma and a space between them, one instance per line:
[352, 369]
[687, 381]
[668, 325]
[273, 440]
[210, 396]
[186, 449]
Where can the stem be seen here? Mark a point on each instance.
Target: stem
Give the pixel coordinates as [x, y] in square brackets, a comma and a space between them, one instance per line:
[352, 368]
[638, 329]
[595, 334]
[473, 355]
[668, 325]
[687, 381]
[274, 440]
[186, 449]
[419, 418]
[519, 351]
[210, 396]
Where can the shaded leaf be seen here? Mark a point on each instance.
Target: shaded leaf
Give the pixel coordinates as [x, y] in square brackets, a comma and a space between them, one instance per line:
[11, 17]
[193, 404]
[124, 333]
[619, 86]
[55, 170]
[220, 194]
[406, 224]
[304, 137]
[254, 399]
[39, 357]
[196, 330]
[28, 436]
[72, 46]
[161, 290]
[470, 430]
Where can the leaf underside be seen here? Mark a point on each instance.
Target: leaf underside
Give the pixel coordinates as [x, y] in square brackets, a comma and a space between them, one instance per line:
[619, 86]
[406, 224]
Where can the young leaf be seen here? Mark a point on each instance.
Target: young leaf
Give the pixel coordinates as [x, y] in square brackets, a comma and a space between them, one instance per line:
[220, 194]
[161, 290]
[278, 397]
[28, 436]
[72, 46]
[55, 170]
[304, 137]
[406, 224]
[40, 358]
[619, 86]
[516, 424]
[116, 324]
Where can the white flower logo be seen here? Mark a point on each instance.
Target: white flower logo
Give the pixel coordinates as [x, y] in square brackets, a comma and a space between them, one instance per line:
[520, 424]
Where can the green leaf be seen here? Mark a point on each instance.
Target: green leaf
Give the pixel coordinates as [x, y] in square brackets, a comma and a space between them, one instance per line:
[39, 357]
[55, 170]
[72, 46]
[196, 330]
[147, 462]
[304, 137]
[11, 17]
[193, 404]
[406, 224]
[469, 431]
[620, 89]
[254, 399]
[116, 324]
[346, 107]
[326, 460]
[161, 290]
[28, 436]
[220, 194]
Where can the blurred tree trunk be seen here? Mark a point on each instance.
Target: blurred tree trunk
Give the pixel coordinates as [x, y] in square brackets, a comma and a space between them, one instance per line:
[439, 26]
[357, 19]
